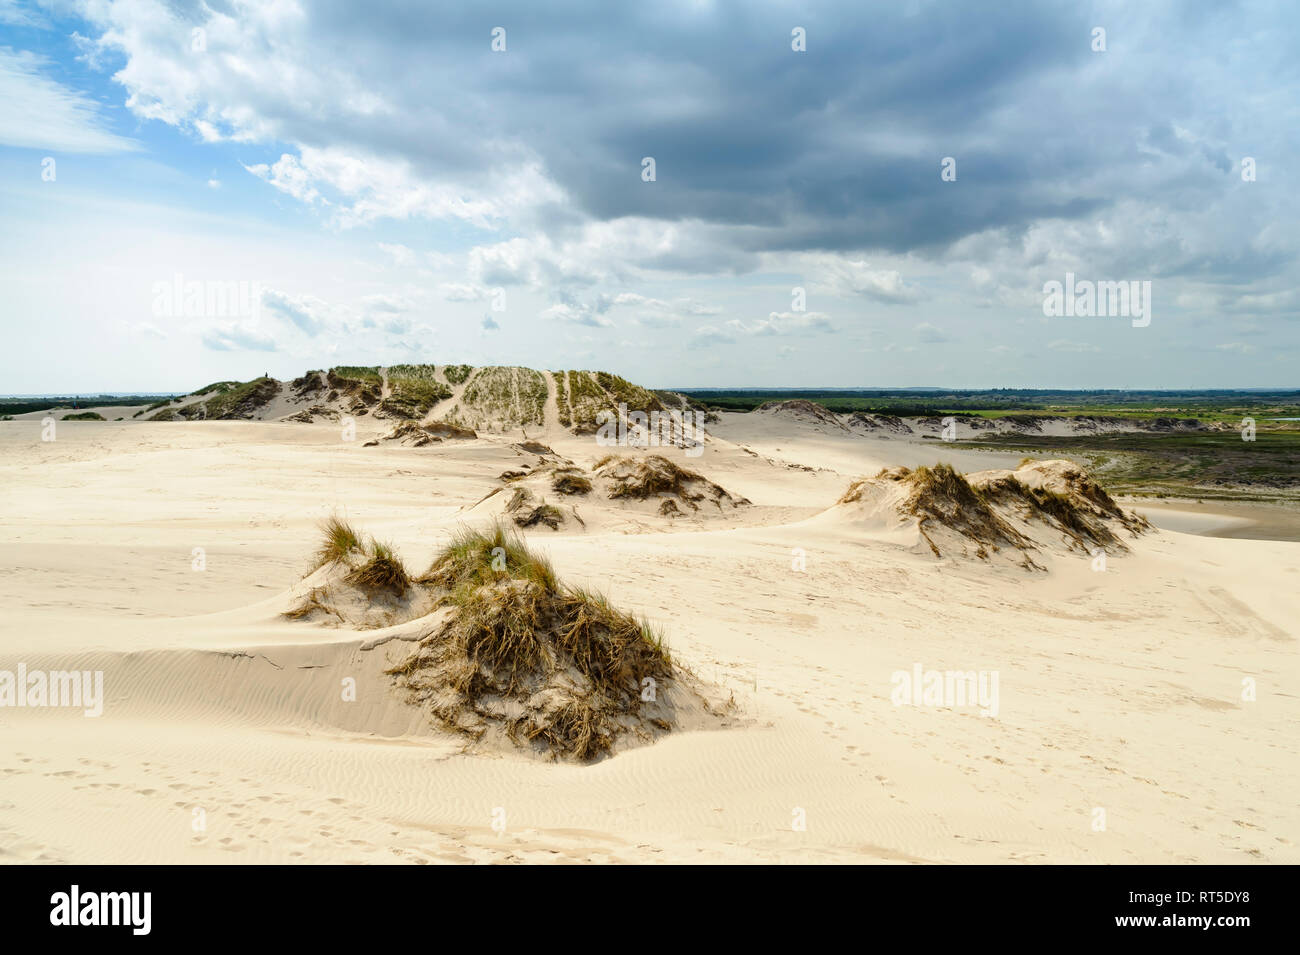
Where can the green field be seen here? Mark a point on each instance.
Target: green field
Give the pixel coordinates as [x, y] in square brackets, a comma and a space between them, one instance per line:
[1213, 405]
[1207, 466]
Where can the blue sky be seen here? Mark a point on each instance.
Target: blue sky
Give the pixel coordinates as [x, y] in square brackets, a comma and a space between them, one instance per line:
[384, 186]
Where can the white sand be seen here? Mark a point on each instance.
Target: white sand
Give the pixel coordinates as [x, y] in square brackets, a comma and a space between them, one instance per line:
[1120, 691]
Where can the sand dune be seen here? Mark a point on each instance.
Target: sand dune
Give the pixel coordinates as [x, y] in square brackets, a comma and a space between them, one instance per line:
[1119, 690]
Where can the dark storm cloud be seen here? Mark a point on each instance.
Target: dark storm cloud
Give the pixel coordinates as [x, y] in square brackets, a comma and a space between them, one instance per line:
[837, 148]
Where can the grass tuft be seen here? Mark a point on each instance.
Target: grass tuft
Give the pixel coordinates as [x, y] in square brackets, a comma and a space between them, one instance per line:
[339, 541]
[383, 571]
[546, 664]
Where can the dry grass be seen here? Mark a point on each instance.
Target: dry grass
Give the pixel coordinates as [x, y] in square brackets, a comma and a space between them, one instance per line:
[527, 511]
[316, 600]
[570, 481]
[1081, 511]
[656, 476]
[421, 434]
[941, 497]
[374, 585]
[382, 572]
[546, 665]
[649, 477]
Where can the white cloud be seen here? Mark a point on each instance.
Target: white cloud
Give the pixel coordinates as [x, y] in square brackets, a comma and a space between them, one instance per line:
[13, 15]
[305, 312]
[238, 337]
[289, 176]
[38, 113]
[459, 292]
[845, 277]
[576, 313]
[780, 323]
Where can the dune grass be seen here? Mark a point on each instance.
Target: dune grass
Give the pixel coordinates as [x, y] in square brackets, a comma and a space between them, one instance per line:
[510, 396]
[550, 665]
[382, 571]
[480, 557]
[647, 477]
[456, 374]
[570, 481]
[339, 541]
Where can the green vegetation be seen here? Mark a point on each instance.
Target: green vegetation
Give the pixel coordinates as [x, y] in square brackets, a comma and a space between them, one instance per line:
[509, 396]
[339, 541]
[85, 416]
[221, 387]
[475, 558]
[456, 374]
[591, 392]
[1211, 465]
[369, 374]
[16, 406]
[230, 401]
[1212, 405]
[562, 397]
[412, 396]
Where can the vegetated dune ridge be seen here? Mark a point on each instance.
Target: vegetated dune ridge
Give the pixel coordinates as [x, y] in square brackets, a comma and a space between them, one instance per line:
[975, 426]
[459, 397]
[166, 555]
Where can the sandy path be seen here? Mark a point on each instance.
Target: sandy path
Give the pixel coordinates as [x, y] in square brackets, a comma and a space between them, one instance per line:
[444, 407]
[551, 413]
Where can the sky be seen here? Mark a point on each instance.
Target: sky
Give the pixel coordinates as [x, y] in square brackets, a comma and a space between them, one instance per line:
[687, 194]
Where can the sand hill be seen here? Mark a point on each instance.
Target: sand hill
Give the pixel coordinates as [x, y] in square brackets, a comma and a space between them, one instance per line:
[1039, 508]
[493, 398]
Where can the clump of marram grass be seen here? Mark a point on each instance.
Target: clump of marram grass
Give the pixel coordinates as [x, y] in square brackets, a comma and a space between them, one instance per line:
[570, 481]
[382, 571]
[547, 666]
[527, 511]
[639, 479]
[340, 541]
[367, 585]
[478, 557]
